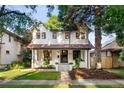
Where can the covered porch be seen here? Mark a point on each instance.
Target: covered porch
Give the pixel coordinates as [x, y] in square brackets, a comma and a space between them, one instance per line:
[61, 56]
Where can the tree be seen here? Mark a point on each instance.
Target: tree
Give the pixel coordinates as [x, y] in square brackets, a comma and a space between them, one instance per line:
[53, 23]
[114, 22]
[15, 20]
[80, 16]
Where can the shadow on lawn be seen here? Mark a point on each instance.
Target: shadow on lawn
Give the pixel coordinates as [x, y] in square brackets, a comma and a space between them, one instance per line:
[23, 76]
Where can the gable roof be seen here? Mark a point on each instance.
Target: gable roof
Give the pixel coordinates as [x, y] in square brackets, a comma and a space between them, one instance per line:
[20, 39]
[113, 46]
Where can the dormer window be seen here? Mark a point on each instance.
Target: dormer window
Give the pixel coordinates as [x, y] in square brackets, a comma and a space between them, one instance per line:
[38, 35]
[66, 35]
[54, 35]
[43, 35]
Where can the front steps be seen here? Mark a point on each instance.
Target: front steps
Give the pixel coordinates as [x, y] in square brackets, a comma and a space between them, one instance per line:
[64, 67]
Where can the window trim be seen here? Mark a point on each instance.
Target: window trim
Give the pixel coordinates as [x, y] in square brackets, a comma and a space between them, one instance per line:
[38, 36]
[54, 35]
[67, 35]
[43, 35]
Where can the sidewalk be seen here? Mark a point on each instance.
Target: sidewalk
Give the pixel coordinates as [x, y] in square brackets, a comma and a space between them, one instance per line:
[71, 82]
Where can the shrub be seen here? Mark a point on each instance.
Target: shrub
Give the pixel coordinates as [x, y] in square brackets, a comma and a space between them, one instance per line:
[121, 56]
[20, 64]
[77, 63]
[46, 62]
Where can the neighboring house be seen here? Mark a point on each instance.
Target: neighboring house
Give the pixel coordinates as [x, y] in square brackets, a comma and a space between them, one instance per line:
[10, 47]
[61, 48]
[109, 55]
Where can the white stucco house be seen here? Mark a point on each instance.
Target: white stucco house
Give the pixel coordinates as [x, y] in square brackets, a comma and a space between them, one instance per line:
[60, 47]
[10, 47]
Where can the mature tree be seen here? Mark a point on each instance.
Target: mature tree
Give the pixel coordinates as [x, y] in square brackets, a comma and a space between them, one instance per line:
[114, 22]
[53, 23]
[15, 20]
[79, 16]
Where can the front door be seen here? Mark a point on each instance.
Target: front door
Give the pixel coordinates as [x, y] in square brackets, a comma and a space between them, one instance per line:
[64, 56]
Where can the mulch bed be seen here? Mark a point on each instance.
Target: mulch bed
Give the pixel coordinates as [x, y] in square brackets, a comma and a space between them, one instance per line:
[82, 73]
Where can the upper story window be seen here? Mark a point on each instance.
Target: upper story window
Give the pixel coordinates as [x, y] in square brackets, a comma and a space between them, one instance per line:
[38, 35]
[9, 38]
[54, 35]
[43, 35]
[66, 35]
[77, 35]
[80, 35]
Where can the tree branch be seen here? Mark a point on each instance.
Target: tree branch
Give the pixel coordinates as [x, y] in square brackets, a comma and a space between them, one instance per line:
[14, 12]
[2, 9]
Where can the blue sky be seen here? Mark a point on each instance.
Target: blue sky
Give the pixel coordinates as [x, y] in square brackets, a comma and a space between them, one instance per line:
[41, 14]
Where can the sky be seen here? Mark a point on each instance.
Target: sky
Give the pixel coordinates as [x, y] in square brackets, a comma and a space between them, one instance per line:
[41, 14]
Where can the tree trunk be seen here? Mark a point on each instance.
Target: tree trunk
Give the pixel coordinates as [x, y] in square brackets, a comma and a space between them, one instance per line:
[98, 47]
[98, 37]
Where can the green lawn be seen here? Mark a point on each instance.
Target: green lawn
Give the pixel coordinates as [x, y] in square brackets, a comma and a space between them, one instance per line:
[117, 71]
[29, 75]
[61, 86]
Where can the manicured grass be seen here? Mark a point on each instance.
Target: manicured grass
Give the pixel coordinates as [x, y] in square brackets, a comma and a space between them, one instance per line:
[29, 75]
[26, 86]
[117, 71]
[61, 86]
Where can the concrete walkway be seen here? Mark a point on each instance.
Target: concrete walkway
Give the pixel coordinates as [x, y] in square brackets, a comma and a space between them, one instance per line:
[65, 78]
[71, 82]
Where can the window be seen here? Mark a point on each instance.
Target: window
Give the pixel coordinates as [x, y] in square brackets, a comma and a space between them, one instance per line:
[43, 35]
[38, 35]
[7, 52]
[80, 35]
[76, 54]
[47, 54]
[9, 38]
[54, 35]
[66, 35]
[77, 35]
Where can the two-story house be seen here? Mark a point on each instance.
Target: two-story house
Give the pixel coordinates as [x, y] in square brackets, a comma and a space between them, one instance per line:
[10, 47]
[61, 47]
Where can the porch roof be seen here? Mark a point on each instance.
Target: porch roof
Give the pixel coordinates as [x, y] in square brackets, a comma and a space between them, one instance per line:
[113, 46]
[60, 46]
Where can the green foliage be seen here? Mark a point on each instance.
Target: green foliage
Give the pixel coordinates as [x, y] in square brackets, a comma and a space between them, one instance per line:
[77, 63]
[16, 20]
[26, 55]
[46, 62]
[121, 56]
[114, 22]
[53, 23]
[19, 64]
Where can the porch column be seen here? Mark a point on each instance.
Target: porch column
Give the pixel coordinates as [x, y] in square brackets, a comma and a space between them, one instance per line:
[34, 58]
[32, 64]
[88, 58]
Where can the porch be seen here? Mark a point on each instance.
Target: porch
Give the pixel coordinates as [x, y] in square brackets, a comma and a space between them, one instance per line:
[61, 59]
